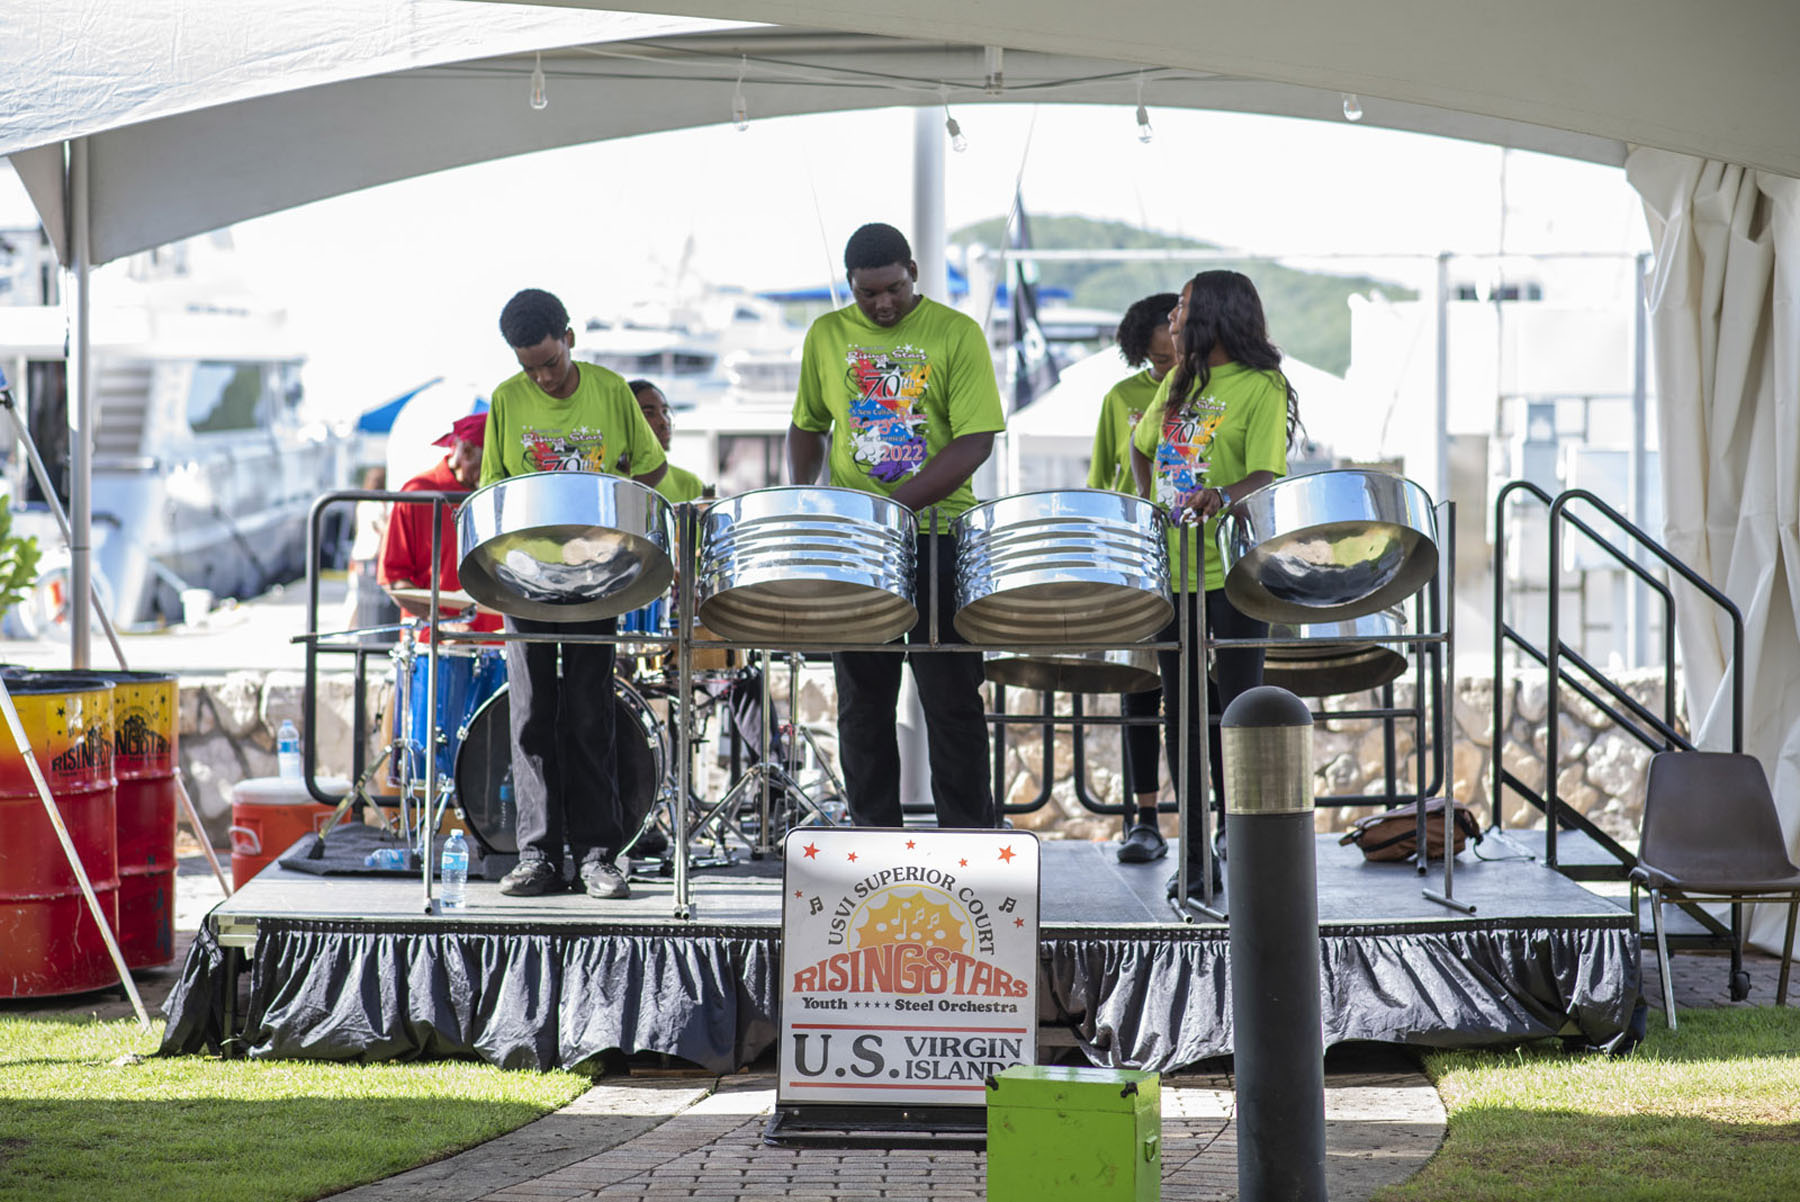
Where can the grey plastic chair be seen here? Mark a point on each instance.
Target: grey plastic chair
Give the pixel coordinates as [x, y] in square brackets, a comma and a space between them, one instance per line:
[1711, 834]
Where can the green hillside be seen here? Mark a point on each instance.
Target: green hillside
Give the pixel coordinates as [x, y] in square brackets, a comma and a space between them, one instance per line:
[1308, 314]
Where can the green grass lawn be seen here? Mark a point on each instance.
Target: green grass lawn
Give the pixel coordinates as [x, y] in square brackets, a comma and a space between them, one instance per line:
[87, 1113]
[1711, 1111]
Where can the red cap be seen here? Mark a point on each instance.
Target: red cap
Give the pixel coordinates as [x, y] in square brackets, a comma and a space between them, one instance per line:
[467, 429]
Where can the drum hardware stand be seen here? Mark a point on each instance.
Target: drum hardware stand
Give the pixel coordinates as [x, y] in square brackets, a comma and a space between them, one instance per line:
[768, 774]
[687, 538]
[1185, 906]
[42, 475]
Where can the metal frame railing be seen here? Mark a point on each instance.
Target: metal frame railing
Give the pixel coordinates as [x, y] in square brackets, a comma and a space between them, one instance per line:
[682, 642]
[1627, 713]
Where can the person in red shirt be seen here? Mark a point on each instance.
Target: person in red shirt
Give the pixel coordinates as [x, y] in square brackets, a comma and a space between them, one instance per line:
[406, 551]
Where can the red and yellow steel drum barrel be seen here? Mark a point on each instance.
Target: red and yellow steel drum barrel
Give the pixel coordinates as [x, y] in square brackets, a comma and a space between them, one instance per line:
[48, 941]
[145, 760]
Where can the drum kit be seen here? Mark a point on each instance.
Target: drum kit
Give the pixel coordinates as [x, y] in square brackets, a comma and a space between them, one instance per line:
[1063, 586]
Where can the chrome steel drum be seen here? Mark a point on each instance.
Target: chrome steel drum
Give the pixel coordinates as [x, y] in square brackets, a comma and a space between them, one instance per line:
[1331, 671]
[1128, 670]
[1328, 546]
[793, 566]
[565, 546]
[1077, 566]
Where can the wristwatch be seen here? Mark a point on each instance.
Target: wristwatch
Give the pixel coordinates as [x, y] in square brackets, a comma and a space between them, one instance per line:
[1224, 499]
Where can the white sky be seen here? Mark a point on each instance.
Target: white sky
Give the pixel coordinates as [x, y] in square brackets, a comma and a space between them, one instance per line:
[395, 285]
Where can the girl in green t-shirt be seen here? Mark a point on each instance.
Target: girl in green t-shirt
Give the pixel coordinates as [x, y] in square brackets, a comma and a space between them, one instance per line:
[1146, 343]
[1224, 420]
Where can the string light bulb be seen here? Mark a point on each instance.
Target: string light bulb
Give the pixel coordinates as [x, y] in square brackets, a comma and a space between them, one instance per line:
[1145, 133]
[540, 97]
[740, 108]
[958, 143]
[1352, 107]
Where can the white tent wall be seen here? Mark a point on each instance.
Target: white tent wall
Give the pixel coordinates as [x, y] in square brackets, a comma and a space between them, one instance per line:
[1725, 310]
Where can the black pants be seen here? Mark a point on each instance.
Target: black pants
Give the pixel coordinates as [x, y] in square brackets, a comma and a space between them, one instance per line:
[1238, 671]
[868, 688]
[564, 775]
[1141, 742]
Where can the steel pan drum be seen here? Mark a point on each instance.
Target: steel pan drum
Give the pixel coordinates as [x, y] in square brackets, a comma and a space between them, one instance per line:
[1331, 671]
[564, 546]
[793, 566]
[1128, 670]
[1328, 546]
[1076, 566]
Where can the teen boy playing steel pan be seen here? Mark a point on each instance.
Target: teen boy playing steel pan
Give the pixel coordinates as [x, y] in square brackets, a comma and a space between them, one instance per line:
[560, 415]
[900, 390]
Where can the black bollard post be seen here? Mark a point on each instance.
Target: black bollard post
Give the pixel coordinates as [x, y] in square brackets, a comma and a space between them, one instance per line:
[1272, 888]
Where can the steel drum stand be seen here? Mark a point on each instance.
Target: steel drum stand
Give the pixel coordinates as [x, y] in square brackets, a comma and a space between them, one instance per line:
[767, 774]
[1440, 592]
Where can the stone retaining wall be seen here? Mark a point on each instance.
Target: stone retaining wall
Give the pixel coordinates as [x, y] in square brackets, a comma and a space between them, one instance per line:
[228, 729]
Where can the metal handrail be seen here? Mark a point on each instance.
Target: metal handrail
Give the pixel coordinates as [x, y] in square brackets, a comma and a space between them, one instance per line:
[1661, 733]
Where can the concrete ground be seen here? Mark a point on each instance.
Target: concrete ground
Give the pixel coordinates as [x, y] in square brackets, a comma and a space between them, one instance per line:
[700, 1136]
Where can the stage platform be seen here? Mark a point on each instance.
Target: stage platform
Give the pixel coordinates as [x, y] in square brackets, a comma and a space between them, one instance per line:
[350, 968]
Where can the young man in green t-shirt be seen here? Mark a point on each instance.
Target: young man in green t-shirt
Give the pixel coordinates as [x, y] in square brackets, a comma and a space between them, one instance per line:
[560, 415]
[897, 392]
[680, 484]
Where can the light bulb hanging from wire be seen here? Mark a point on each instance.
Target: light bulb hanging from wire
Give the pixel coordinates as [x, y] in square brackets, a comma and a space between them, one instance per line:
[1352, 107]
[958, 143]
[740, 108]
[1145, 133]
[540, 98]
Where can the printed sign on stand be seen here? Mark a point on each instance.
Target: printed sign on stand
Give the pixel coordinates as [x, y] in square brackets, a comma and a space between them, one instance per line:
[909, 964]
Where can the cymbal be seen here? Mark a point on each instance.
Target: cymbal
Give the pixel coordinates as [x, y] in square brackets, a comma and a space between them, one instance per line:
[417, 601]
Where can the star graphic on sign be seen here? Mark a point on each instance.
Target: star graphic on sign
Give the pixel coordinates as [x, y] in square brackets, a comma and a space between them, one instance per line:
[798, 893]
[812, 852]
[1018, 922]
[1006, 854]
[962, 863]
[909, 845]
[851, 857]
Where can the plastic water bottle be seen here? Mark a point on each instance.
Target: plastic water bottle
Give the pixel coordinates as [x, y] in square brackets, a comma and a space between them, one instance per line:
[455, 871]
[287, 750]
[506, 803]
[386, 857]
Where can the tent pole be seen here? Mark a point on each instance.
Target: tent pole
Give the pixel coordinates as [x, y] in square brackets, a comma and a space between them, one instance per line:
[81, 410]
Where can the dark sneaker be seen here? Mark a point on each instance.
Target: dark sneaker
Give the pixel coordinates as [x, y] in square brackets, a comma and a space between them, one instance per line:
[532, 878]
[1143, 844]
[652, 844]
[1194, 891]
[602, 878]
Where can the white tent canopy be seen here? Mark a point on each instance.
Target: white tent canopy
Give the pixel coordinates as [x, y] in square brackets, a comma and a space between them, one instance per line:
[194, 122]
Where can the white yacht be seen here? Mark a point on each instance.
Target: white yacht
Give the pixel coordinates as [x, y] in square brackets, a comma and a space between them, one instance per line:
[204, 463]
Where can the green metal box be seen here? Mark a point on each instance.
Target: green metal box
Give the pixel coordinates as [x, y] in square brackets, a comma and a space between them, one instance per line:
[1086, 1134]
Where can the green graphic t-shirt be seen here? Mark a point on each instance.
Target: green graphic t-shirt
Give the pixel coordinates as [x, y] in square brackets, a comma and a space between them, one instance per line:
[892, 397]
[599, 428]
[1238, 425]
[678, 485]
[1110, 465]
